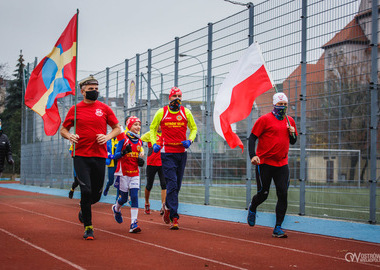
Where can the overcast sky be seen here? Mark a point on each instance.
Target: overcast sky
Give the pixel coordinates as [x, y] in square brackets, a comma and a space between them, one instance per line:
[109, 31]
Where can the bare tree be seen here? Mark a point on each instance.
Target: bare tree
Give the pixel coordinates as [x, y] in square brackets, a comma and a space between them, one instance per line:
[4, 71]
[348, 104]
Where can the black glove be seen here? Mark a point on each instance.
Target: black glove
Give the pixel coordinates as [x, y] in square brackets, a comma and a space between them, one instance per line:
[126, 150]
[140, 162]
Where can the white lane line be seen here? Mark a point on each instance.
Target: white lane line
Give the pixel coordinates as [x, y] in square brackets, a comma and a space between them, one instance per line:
[43, 250]
[260, 226]
[297, 232]
[266, 244]
[173, 250]
[251, 241]
[133, 239]
[263, 243]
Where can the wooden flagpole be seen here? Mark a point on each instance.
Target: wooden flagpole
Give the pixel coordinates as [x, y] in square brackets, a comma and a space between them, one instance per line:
[76, 84]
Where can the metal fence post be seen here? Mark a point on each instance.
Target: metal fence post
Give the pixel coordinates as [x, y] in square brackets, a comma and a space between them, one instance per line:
[176, 61]
[374, 110]
[25, 132]
[208, 116]
[107, 84]
[138, 82]
[117, 84]
[303, 109]
[126, 66]
[23, 120]
[61, 142]
[34, 115]
[149, 88]
[116, 93]
[34, 136]
[248, 191]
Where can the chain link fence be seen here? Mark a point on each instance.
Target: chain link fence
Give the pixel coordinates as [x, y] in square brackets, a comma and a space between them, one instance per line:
[322, 54]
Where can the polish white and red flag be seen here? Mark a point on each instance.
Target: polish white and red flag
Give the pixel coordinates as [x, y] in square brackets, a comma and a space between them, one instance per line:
[248, 79]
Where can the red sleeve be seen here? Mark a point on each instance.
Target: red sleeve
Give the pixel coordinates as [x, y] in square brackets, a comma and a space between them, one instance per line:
[121, 136]
[69, 120]
[258, 127]
[111, 119]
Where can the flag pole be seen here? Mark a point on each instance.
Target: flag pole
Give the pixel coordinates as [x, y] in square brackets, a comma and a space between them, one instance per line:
[76, 83]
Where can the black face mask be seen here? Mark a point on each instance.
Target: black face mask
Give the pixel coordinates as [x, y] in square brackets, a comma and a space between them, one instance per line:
[175, 104]
[92, 95]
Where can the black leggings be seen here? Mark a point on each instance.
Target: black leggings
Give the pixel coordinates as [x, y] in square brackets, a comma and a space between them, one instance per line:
[150, 173]
[264, 175]
[90, 174]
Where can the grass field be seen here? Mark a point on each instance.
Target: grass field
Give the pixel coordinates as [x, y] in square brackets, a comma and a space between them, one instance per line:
[329, 202]
[337, 202]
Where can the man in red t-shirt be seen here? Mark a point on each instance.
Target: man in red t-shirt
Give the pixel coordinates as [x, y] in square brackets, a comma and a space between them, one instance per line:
[90, 151]
[271, 159]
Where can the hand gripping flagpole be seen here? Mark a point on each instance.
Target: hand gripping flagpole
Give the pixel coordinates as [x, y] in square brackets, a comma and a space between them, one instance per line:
[76, 83]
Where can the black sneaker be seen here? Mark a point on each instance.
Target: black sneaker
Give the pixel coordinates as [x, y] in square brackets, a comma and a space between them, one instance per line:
[88, 233]
[105, 192]
[71, 193]
[80, 216]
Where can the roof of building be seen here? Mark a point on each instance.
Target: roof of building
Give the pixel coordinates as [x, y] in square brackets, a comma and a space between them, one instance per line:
[351, 33]
[313, 71]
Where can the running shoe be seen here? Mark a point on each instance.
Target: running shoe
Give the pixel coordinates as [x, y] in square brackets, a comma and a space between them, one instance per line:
[117, 215]
[174, 224]
[279, 232]
[147, 209]
[251, 218]
[80, 216]
[71, 193]
[105, 192]
[166, 216]
[88, 233]
[134, 228]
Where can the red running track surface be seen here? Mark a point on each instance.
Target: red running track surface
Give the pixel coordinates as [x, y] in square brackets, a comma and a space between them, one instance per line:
[43, 232]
